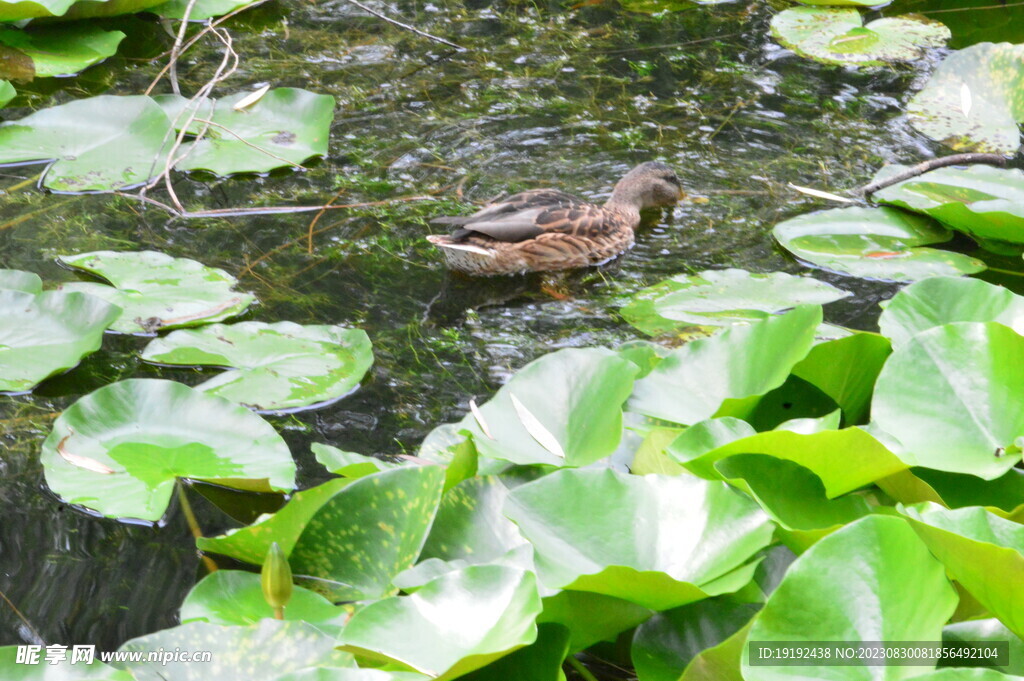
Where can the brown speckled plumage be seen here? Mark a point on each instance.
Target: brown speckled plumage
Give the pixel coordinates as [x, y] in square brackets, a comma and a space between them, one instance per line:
[544, 229]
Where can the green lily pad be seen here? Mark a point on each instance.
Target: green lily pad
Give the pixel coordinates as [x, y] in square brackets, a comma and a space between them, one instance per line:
[717, 298]
[62, 51]
[951, 395]
[982, 552]
[156, 291]
[836, 36]
[349, 674]
[202, 10]
[844, 460]
[120, 449]
[845, 369]
[7, 92]
[873, 580]
[261, 651]
[564, 409]
[274, 366]
[975, 99]
[966, 674]
[459, 622]
[285, 127]
[368, 532]
[121, 147]
[724, 375]
[720, 662]
[941, 300]
[696, 534]
[18, 280]
[349, 464]
[235, 598]
[984, 202]
[1003, 496]
[873, 244]
[13, 670]
[250, 543]
[540, 661]
[591, 617]
[46, 333]
[988, 630]
[664, 645]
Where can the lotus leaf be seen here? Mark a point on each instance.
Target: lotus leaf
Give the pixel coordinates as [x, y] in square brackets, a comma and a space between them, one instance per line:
[459, 622]
[368, 532]
[716, 298]
[982, 552]
[156, 291]
[7, 92]
[203, 9]
[92, 144]
[988, 630]
[62, 51]
[845, 369]
[721, 662]
[262, 651]
[873, 580]
[873, 243]
[235, 597]
[725, 375]
[1003, 496]
[941, 300]
[349, 464]
[974, 100]
[46, 333]
[984, 202]
[664, 645]
[274, 366]
[591, 617]
[951, 395]
[837, 36]
[120, 449]
[540, 661]
[696, 535]
[564, 409]
[17, 280]
[285, 127]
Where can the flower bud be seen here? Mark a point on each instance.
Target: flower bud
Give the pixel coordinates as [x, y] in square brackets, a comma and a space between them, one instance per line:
[276, 579]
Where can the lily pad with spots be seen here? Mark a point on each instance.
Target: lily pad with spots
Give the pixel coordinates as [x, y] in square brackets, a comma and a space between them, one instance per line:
[983, 202]
[156, 291]
[120, 449]
[273, 366]
[716, 298]
[837, 36]
[62, 51]
[975, 99]
[47, 332]
[873, 243]
[283, 128]
[698, 538]
[94, 144]
[452, 625]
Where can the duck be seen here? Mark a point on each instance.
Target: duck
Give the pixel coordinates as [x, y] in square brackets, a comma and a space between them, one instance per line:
[544, 230]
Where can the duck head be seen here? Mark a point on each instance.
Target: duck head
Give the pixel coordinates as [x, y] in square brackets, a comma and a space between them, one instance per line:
[648, 185]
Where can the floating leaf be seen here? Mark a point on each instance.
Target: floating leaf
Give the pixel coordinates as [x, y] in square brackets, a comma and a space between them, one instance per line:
[982, 552]
[714, 376]
[988, 631]
[93, 144]
[716, 298]
[46, 333]
[664, 645]
[873, 580]
[203, 9]
[7, 92]
[984, 202]
[234, 597]
[349, 464]
[994, 75]
[156, 291]
[540, 661]
[275, 366]
[575, 400]
[696, 533]
[1003, 496]
[13, 670]
[836, 36]
[872, 243]
[17, 280]
[951, 395]
[286, 127]
[845, 369]
[151, 432]
[262, 651]
[941, 300]
[64, 50]
[459, 622]
[369, 532]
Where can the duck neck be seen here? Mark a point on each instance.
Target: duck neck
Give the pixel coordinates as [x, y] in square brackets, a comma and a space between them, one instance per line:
[625, 205]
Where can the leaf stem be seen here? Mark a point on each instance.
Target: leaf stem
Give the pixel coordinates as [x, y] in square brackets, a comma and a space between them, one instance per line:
[193, 524]
[580, 669]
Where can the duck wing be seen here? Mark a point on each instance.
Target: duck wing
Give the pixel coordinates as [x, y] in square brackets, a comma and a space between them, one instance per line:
[527, 215]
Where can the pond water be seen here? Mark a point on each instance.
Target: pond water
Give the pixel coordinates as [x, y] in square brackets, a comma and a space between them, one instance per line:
[546, 95]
